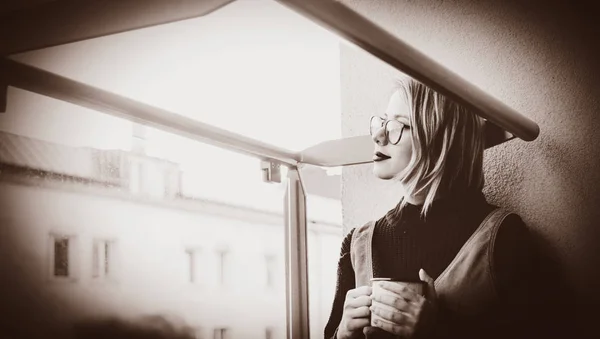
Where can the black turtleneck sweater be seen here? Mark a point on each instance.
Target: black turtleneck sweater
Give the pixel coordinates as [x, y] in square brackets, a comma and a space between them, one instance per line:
[403, 242]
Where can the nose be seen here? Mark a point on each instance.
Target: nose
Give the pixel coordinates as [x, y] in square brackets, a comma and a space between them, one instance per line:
[379, 137]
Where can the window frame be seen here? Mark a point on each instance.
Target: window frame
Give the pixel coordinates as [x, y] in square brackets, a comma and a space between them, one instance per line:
[112, 260]
[72, 257]
[224, 332]
[223, 256]
[191, 255]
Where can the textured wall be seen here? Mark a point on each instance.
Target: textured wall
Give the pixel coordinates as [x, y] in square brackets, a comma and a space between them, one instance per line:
[538, 59]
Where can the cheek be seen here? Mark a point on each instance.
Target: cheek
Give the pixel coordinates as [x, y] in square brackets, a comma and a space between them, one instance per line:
[401, 154]
[400, 157]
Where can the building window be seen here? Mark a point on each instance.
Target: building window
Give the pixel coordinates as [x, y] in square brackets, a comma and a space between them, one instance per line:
[192, 261]
[222, 263]
[271, 267]
[221, 333]
[103, 257]
[62, 256]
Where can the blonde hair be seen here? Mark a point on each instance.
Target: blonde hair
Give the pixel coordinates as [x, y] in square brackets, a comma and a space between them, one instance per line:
[447, 145]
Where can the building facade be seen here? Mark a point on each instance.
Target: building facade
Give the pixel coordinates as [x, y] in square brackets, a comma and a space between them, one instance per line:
[99, 233]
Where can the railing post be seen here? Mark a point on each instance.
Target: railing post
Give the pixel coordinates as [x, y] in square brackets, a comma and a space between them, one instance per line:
[296, 257]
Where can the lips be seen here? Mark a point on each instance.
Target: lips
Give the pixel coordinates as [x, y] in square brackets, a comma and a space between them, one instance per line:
[380, 156]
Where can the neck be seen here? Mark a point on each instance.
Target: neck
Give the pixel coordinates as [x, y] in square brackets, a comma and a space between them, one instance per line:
[416, 200]
[419, 199]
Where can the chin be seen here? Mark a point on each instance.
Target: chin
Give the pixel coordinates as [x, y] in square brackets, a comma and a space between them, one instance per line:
[381, 174]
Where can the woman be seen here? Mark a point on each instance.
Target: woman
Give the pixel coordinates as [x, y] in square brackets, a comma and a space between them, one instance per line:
[472, 255]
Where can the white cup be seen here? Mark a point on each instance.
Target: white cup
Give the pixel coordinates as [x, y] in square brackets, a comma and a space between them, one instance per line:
[417, 287]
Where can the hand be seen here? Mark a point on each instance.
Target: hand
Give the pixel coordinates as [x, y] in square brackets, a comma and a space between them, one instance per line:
[356, 313]
[408, 312]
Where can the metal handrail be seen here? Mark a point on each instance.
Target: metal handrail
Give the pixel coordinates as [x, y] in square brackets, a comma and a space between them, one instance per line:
[42, 82]
[379, 42]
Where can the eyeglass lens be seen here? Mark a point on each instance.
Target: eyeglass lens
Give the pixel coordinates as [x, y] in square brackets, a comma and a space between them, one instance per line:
[393, 128]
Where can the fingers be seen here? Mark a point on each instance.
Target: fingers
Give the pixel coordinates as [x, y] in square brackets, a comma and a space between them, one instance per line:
[398, 301]
[401, 290]
[361, 301]
[361, 312]
[356, 308]
[395, 316]
[399, 330]
[357, 324]
[425, 277]
[357, 318]
[358, 297]
[359, 291]
[430, 291]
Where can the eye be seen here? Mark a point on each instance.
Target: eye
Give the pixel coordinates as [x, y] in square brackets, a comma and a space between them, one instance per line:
[396, 125]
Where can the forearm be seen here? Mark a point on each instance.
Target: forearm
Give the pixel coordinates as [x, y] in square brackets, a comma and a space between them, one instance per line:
[345, 282]
[343, 285]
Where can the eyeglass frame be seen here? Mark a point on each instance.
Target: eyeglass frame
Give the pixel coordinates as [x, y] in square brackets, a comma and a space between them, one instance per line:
[384, 123]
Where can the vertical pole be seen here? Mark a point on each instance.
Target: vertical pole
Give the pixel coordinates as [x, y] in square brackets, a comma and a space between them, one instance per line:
[296, 257]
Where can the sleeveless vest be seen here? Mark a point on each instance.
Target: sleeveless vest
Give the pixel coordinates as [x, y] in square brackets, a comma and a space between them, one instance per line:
[466, 286]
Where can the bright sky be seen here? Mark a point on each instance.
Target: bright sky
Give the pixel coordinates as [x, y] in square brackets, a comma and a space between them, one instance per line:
[253, 67]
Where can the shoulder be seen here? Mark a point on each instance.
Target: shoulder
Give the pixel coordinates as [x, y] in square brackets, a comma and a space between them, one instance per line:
[347, 242]
[508, 226]
[512, 250]
[356, 231]
[511, 231]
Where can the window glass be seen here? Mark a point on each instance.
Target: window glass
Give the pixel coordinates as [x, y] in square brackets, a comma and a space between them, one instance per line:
[137, 204]
[61, 256]
[201, 253]
[253, 67]
[324, 236]
[103, 258]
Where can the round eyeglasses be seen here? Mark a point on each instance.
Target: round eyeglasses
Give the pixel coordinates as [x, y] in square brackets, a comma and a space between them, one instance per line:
[393, 128]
